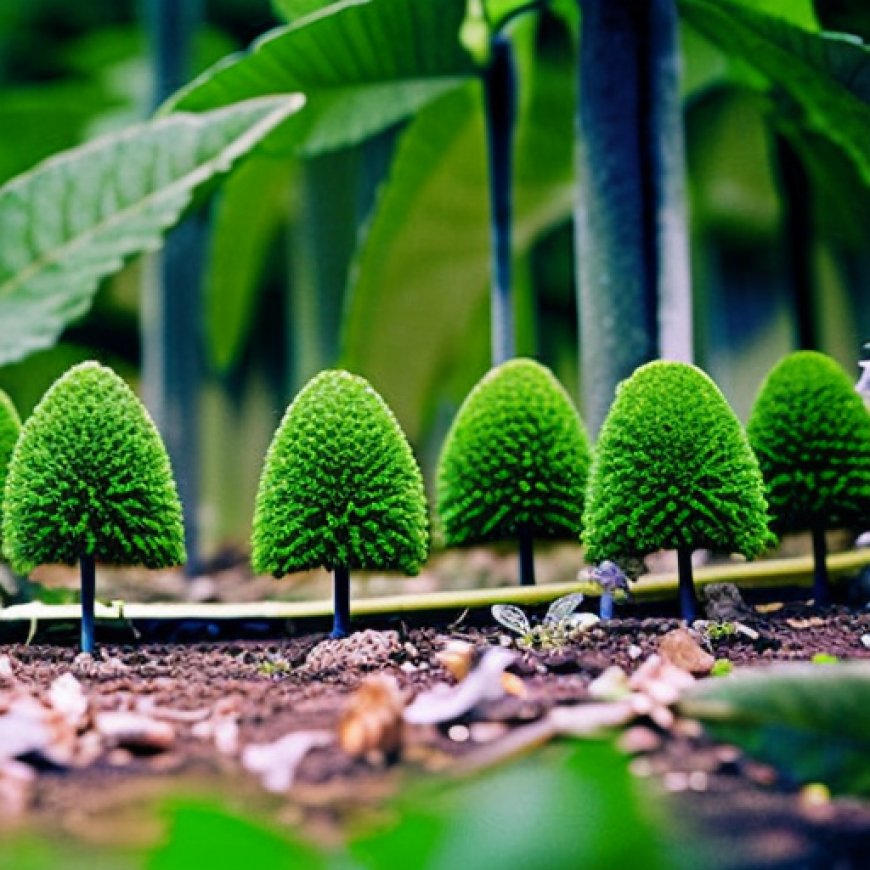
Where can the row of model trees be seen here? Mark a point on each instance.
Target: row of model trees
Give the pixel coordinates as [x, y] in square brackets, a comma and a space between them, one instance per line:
[89, 479]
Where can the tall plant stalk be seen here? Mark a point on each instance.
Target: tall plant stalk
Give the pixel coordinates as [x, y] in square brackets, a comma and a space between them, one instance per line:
[500, 104]
[171, 319]
[633, 283]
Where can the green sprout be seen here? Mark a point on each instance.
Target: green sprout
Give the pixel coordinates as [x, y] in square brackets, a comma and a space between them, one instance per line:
[514, 463]
[340, 489]
[811, 433]
[716, 631]
[559, 626]
[10, 427]
[89, 481]
[721, 668]
[673, 470]
[825, 659]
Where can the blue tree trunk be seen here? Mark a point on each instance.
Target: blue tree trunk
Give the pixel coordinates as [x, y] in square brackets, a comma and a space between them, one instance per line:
[172, 314]
[634, 294]
[500, 104]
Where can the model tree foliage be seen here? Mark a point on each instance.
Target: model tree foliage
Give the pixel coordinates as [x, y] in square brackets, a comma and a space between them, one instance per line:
[811, 433]
[340, 489]
[514, 463]
[10, 426]
[89, 481]
[673, 470]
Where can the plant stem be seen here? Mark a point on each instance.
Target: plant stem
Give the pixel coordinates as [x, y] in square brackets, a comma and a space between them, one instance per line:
[634, 295]
[341, 602]
[605, 607]
[688, 603]
[500, 100]
[821, 587]
[88, 572]
[171, 321]
[527, 556]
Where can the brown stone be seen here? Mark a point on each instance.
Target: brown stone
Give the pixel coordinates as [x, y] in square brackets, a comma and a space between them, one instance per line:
[681, 649]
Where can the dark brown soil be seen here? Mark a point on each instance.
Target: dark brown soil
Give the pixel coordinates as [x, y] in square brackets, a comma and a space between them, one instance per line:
[753, 816]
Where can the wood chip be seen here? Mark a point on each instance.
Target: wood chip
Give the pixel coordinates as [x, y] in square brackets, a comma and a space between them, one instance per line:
[372, 719]
[681, 649]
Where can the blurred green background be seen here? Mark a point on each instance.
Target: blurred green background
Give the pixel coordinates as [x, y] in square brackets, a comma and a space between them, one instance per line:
[778, 224]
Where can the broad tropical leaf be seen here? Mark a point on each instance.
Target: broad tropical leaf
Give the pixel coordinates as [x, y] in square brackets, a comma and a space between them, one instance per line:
[363, 65]
[252, 207]
[421, 273]
[812, 721]
[73, 219]
[827, 74]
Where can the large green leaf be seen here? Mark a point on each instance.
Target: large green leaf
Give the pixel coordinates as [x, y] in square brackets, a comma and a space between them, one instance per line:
[251, 209]
[569, 805]
[422, 271]
[813, 721]
[828, 75]
[73, 219]
[363, 64]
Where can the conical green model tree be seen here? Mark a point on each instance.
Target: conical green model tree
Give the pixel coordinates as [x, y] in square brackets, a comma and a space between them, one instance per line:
[514, 463]
[10, 427]
[340, 489]
[811, 433]
[90, 481]
[673, 470]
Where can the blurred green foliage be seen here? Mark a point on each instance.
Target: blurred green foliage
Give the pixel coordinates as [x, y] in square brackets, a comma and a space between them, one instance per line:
[342, 257]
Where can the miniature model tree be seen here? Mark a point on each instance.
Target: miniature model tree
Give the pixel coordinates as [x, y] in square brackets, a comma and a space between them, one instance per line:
[514, 464]
[10, 427]
[811, 433]
[340, 489]
[90, 481]
[673, 470]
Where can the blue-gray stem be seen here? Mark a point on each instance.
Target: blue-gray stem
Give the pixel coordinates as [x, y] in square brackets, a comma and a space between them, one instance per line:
[605, 606]
[634, 295]
[821, 587]
[171, 321]
[527, 556]
[500, 99]
[88, 572]
[688, 603]
[341, 602]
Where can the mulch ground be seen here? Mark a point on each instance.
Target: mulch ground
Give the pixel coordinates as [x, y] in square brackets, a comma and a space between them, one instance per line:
[214, 700]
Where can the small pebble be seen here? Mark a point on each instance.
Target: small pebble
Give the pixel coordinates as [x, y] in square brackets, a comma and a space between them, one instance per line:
[676, 781]
[865, 641]
[458, 733]
[698, 780]
[641, 767]
[815, 794]
[634, 652]
[639, 740]
[408, 667]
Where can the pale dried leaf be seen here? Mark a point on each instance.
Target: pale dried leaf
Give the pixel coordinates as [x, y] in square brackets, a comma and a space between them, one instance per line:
[276, 763]
[611, 685]
[67, 697]
[23, 729]
[582, 720]
[445, 703]
[134, 730]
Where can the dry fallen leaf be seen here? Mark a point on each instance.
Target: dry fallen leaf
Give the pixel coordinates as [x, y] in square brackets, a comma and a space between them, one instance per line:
[444, 703]
[809, 622]
[372, 720]
[68, 698]
[133, 730]
[276, 763]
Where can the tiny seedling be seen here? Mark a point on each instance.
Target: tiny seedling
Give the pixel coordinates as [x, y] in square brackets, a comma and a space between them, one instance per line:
[823, 658]
[560, 625]
[721, 668]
